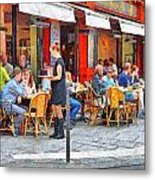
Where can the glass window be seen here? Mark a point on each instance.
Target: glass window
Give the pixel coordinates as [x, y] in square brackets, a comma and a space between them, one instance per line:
[92, 49]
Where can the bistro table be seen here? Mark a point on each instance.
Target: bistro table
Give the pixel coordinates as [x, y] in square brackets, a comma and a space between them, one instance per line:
[44, 76]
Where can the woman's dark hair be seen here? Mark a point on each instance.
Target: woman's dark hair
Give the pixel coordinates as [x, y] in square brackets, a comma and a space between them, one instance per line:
[31, 79]
[133, 68]
[111, 60]
[105, 62]
[100, 61]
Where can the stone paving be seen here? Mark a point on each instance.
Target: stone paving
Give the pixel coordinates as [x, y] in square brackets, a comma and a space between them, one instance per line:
[91, 147]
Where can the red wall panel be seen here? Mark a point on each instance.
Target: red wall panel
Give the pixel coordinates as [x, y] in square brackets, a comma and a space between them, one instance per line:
[85, 73]
[46, 45]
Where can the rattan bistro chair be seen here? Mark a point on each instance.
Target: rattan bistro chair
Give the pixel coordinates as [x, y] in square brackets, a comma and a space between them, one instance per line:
[92, 104]
[115, 96]
[37, 112]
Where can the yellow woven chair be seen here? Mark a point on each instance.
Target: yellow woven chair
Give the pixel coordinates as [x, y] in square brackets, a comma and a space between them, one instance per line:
[37, 112]
[114, 96]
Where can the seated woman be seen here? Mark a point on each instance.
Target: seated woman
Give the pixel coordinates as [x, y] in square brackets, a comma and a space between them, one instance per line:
[138, 86]
[97, 81]
[75, 105]
[99, 85]
[28, 82]
[108, 80]
[134, 74]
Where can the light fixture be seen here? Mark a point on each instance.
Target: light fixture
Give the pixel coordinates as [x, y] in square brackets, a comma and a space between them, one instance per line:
[117, 36]
[41, 24]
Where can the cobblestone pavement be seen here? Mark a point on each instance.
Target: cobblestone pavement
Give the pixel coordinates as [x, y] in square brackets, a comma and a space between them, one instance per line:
[91, 147]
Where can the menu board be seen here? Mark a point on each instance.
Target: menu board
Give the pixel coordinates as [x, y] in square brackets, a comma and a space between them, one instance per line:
[55, 32]
[55, 37]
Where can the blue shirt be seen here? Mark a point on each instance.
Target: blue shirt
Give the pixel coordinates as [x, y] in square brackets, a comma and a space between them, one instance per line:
[124, 79]
[12, 90]
[108, 82]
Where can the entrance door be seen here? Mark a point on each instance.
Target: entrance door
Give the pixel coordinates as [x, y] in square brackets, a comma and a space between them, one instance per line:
[69, 50]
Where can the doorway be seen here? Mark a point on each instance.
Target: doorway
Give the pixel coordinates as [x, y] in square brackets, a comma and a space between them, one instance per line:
[68, 48]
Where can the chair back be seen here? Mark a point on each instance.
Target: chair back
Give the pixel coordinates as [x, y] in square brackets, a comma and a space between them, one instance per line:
[39, 104]
[92, 96]
[115, 95]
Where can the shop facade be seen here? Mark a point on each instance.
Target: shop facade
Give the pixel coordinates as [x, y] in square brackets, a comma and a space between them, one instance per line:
[31, 31]
[84, 30]
[123, 40]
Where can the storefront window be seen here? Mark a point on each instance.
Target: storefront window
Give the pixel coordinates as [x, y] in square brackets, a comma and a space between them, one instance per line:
[92, 49]
[129, 49]
[23, 35]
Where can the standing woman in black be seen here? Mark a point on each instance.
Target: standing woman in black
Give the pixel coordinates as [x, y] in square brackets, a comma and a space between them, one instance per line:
[58, 98]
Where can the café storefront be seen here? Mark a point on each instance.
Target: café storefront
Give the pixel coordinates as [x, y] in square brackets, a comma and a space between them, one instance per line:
[122, 40]
[85, 33]
[32, 29]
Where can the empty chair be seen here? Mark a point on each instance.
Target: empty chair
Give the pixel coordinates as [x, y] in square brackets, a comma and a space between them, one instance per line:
[37, 112]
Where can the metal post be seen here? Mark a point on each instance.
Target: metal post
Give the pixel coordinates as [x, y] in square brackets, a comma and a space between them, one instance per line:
[68, 130]
[14, 33]
[67, 145]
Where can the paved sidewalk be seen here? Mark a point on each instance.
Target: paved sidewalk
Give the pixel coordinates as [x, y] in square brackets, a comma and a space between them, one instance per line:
[91, 147]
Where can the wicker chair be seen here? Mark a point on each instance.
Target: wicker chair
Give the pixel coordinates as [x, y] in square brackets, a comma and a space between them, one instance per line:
[92, 104]
[116, 96]
[37, 112]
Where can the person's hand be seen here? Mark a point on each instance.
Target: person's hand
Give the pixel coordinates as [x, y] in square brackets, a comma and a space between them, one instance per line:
[25, 95]
[19, 99]
[52, 78]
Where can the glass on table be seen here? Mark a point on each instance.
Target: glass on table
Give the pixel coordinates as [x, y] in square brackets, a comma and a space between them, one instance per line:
[39, 87]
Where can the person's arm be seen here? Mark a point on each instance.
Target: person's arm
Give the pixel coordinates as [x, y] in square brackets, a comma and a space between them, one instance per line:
[59, 74]
[18, 90]
[95, 84]
[6, 75]
[129, 79]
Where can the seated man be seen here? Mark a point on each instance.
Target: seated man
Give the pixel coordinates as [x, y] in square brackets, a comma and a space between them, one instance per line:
[10, 94]
[124, 78]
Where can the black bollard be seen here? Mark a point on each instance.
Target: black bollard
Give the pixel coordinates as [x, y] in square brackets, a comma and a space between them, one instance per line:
[68, 128]
[67, 145]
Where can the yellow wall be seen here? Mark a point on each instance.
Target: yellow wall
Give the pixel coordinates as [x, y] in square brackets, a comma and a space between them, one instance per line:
[106, 46]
